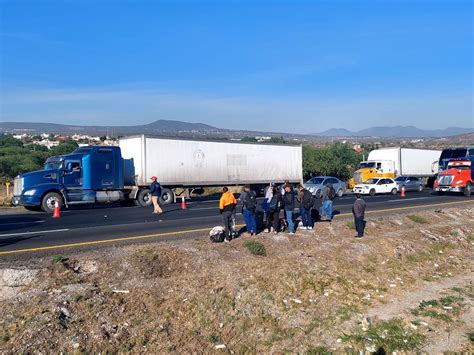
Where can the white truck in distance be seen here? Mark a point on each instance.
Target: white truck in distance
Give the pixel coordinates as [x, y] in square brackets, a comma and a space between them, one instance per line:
[393, 162]
[193, 163]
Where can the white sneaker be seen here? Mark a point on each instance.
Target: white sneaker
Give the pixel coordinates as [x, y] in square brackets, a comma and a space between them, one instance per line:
[291, 233]
[304, 228]
[272, 229]
[310, 228]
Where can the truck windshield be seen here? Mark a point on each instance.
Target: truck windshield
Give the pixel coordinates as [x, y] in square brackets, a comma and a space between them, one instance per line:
[367, 164]
[460, 167]
[52, 165]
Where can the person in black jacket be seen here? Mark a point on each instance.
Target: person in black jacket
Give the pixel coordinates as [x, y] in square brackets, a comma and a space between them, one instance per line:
[155, 191]
[358, 210]
[273, 215]
[306, 203]
[289, 201]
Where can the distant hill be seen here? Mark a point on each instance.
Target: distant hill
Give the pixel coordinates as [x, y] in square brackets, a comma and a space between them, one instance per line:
[396, 131]
[157, 127]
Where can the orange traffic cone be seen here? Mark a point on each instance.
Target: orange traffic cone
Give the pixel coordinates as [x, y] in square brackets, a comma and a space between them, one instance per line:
[183, 203]
[56, 211]
[402, 194]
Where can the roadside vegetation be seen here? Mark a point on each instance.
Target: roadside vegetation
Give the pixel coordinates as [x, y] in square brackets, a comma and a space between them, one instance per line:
[402, 288]
[17, 157]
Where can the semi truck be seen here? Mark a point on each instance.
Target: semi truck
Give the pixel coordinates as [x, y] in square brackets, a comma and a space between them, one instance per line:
[393, 162]
[457, 177]
[452, 153]
[103, 174]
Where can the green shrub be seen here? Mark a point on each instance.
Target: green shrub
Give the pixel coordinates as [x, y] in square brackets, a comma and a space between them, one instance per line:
[256, 248]
[417, 219]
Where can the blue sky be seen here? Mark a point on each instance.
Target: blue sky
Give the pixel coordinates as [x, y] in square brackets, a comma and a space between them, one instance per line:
[294, 66]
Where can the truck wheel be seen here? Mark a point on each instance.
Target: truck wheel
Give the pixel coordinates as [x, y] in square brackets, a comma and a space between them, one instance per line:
[467, 189]
[144, 198]
[340, 193]
[49, 200]
[372, 192]
[167, 196]
[394, 191]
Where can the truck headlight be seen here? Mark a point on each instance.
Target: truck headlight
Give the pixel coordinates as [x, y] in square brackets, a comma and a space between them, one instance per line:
[29, 192]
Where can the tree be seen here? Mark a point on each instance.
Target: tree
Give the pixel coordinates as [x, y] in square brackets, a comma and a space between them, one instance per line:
[9, 141]
[334, 160]
[63, 148]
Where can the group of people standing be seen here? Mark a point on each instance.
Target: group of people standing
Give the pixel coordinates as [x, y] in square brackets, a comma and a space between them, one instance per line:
[285, 198]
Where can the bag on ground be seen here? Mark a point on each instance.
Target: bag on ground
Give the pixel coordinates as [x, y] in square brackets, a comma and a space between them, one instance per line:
[217, 234]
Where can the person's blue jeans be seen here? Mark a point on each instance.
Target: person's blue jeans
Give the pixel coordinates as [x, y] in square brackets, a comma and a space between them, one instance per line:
[326, 210]
[289, 219]
[306, 217]
[250, 221]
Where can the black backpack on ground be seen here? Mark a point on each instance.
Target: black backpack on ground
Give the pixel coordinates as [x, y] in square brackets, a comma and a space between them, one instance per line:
[217, 234]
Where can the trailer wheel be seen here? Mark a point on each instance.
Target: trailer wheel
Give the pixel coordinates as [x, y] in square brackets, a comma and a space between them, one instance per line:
[467, 189]
[167, 196]
[372, 192]
[144, 198]
[49, 200]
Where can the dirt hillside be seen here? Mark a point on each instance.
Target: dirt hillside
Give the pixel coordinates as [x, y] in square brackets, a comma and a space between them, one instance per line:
[406, 286]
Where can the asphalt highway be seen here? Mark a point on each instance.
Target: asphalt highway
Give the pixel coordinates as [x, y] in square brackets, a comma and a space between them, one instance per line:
[30, 233]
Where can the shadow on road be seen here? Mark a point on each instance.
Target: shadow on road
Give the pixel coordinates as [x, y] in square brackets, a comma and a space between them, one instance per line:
[13, 240]
[9, 223]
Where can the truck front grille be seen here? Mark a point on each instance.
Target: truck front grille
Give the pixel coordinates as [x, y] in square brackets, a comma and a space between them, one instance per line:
[17, 186]
[357, 177]
[446, 180]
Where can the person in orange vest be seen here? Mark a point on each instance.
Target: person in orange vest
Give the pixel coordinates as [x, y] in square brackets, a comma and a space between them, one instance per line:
[227, 205]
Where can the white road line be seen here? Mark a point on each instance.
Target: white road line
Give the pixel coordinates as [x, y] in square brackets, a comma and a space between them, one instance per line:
[9, 224]
[408, 199]
[39, 232]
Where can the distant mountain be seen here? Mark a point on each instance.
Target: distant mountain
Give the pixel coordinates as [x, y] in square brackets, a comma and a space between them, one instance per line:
[396, 131]
[157, 127]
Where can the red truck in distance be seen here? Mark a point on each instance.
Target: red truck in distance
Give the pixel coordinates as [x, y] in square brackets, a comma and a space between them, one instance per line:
[458, 177]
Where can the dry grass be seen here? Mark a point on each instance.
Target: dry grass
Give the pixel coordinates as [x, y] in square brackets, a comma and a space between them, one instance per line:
[307, 292]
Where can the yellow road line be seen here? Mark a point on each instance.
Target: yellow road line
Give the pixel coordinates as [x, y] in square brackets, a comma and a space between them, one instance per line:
[147, 236]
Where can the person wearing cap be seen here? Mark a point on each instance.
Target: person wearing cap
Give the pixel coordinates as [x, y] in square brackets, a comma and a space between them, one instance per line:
[155, 191]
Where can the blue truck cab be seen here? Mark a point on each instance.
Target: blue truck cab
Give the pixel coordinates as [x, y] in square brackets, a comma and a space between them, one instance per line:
[88, 175]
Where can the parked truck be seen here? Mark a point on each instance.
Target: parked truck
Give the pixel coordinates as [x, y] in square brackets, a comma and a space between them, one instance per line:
[452, 153]
[393, 162]
[97, 174]
[457, 177]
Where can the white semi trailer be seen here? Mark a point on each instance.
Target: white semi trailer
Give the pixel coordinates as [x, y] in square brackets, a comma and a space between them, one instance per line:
[397, 161]
[194, 163]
